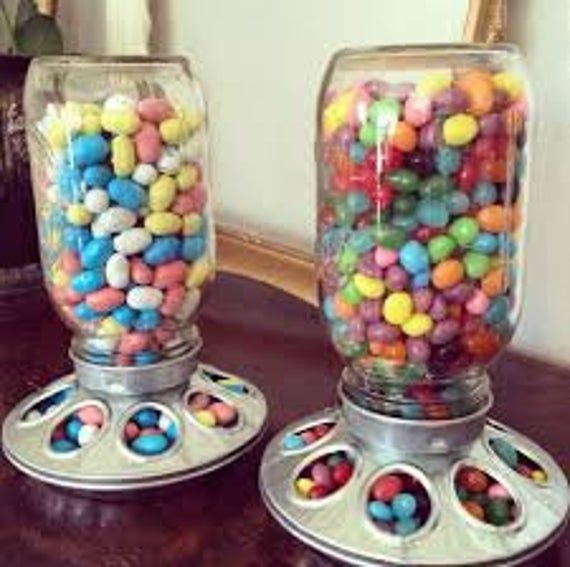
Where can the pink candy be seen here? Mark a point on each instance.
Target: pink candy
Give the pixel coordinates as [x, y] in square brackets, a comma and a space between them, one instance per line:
[169, 274]
[131, 343]
[385, 257]
[148, 143]
[417, 111]
[91, 415]
[154, 109]
[105, 299]
[173, 299]
[140, 272]
[69, 262]
[498, 492]
[478, 303]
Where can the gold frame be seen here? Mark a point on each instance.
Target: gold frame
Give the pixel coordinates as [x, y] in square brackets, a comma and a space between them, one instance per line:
[294, 270]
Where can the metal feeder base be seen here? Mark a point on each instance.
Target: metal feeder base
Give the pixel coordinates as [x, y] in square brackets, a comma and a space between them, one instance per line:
[338, 525]
[107, 464]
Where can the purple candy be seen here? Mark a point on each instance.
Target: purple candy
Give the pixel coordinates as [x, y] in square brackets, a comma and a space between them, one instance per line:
[429, 136]
[356, 331]
[422, 299]
[322, 475]
[369, 310]
[420, 161]
[344, 138]
[451, 101]
[438, 310]
[418, 350]
[444, 331]
[382, 333]
[500, 100]
[396, 278]
[368, 266]
[490, 125]
[459, 293]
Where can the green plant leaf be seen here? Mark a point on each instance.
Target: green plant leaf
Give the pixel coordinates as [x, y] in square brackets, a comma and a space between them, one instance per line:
[39, 36]
[26, 10]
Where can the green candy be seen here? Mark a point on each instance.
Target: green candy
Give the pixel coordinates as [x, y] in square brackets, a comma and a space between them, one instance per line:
[497, 512]
[436, 186]
[465, 230]
[476, 264]
[390, 237]
[404, 204]
[404, 180]
[347, 261]
[368, 134]
[351, 294]
[405, 222]
[441, 247]
[344, 216]
[385, 111]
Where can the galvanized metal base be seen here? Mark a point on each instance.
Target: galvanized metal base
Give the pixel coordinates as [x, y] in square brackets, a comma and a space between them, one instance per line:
[107, 465]
[338, 525]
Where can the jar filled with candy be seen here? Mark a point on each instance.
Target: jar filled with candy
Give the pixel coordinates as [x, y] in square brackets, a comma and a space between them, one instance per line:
[422, 155]
[118, 154]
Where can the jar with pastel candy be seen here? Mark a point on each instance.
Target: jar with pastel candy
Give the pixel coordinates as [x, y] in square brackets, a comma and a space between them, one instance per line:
[118, 154]
[421, 155]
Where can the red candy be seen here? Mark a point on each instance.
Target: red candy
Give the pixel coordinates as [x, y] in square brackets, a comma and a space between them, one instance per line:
[387, 487]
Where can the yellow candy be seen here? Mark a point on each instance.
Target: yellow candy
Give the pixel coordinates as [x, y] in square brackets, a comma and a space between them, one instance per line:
[173, 130]
[123, 155]
[56, 135]
[192, 224]
[431, 85]
[459, 129]
[192, 118]
[398, 308]
[162, 224]
[161, 193]
[125, 122]
[417, 325]
[338, 112]
[187, 177]
[91, 124]
[304, 486]
[205, 417]
[78, 215]
[109, 326]
[509, 83]
[371, 288]
[198, 272]
[539, 476]
[60, 278]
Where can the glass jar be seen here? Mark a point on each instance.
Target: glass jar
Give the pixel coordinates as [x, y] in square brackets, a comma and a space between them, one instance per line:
[421, 155]
[118, 154]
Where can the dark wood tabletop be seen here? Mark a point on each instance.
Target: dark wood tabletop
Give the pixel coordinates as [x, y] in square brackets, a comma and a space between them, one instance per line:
[278, 342]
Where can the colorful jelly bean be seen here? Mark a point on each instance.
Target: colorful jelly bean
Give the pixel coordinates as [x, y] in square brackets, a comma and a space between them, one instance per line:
[210, 411]
[518, 461]
[304, 437]
[77, 429]
[150, 431]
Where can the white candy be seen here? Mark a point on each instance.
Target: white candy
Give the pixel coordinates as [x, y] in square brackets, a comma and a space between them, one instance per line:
[132, 241]
[96, 200]
[144, 174]
[164, 422]
[144, 297]
[119, 103]
[115, 219]
[189, 306]
[32, 415]
[192, 149]
[105, 344]
[170, 160]
[117, 271]
[86, 433]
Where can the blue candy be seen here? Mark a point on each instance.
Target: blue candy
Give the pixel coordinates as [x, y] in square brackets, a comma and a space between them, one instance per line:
[193, 247]
[404, 505]
[163, 249]
[414, 257]
[127, 193]
[85, 313]
[124, 315]
[432, 212]
[68, 181]
[357, 152]
[97, 175]
[63, 446]
[172, 432]
[75, 238]
[507, 245]
[88, 281]
[406, 526]
[96, 253]
[420, 280]
[145, 357]
[484, 193]
[150, 444]
[146, 417]
[72, 428]
[333, 240]
[380, 511]
[505, 451]
[448, 160]
[362, 240]
[485, 243]
[497, 311]
[147, 320]
[457, 202]
[358, 202]
[292, 441]
[89, 149]
[328, 308]
[405, 222]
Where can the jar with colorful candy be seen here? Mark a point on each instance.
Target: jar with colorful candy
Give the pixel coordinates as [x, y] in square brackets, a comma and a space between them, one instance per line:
[118, 154]
[422, 154]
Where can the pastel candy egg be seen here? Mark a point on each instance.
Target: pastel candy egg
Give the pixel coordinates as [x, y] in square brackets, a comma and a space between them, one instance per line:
[124, 315]
[371, 288]
[485, 243]
[96, 200]
[187, 177]
[197, 274]
[132, 241]
[476, 264]
[56, 134]
[199, 401]
[147, 320]
[127, 193]
[417, 325]
[205, 417]
[105, 299]
[78, 215]
[169, 161]
[385, 257]
[451, 101]
[162, 193]
[119, 102]
[384, 112]
[225, 414]
[398, 308]
[144, 174]
[163, 223]
[464, 230]
[90, 119]
[184, 203]
[169, 274]
[155, 109]
[85, 313]
[173, 299]
[134, 342]
[418, 110]
[117, 271]
[123, 156]
[144, 297]
[441, 247]
[68, 183]
[89, 149]
[193, 247]
[140, 272]
[97, 175]
[459, 129]
[478, 303]
[432, 84]
[191, 224]
[406, 526]
[337, 112]
[76, 238]
[69, 262]
[87, 281]
[448, 273]
[495, 282]
[109, 326]
[150, 445]
[91, 415]
[173, 131]
[86, 433]
[148, 145]
[433, 213]
[124, 122]
[414, 257]
[96, 253]
[404, 505]
[163, 249]
[113, 220]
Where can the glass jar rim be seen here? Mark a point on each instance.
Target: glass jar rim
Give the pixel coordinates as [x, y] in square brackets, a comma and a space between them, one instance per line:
[125, 60]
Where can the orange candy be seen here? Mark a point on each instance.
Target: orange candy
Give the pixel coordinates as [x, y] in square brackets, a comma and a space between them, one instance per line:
[404, 137]
[341, 308]
[494, 170]
[495, 282]
[475, 509]
[494, 218]
[478, 87]
[447, 274]
[484, 343]
[395, 351]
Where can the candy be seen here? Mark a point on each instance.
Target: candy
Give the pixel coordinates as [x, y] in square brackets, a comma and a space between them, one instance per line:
[132, 241]
[78, 215]
[96, 253]
[368, 287]
[77, 430]
[113, 220]
[117, 271]
[414, 257]
[441, 247]
[96, 201]
[493, 218]
[144, 297]
[417, 325]
[150, 432]
[460, 129]
[123, 155]
[398, 308]
[162, 224]
[447, 274]
[105, 299]
[162, 193]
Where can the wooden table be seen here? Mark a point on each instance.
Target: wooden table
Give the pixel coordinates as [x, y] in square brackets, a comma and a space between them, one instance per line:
[277, 341]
